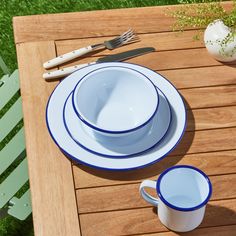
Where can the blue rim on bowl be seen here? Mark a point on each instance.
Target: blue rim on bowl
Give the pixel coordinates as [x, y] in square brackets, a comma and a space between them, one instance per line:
[86, 122]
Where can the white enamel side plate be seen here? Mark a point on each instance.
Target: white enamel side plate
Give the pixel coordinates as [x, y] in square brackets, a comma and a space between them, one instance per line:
[83, 154]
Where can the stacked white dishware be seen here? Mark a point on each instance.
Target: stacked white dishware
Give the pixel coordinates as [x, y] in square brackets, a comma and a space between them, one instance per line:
[116, 116]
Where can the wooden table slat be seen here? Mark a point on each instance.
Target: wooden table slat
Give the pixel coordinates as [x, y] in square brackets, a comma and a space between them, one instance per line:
[161, 41]
[82, 24]
[216, 231]
[167, 60]
[210, 96]
[140, 221]
[127, 196]
[211, 118]
[206, 141]
[213, 163]
[52, 179]
[201, 77]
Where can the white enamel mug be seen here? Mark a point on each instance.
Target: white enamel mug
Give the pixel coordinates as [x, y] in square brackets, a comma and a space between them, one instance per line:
[183, 194]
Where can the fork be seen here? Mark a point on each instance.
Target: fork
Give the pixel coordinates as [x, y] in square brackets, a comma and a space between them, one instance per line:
[125, 38]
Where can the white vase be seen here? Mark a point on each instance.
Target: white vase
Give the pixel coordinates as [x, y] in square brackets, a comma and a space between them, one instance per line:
[220, 41]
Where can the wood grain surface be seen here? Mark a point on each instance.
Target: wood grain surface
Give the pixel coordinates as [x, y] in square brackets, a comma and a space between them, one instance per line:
[216, 231]
[168, 60]
[52, 178]
[127, 195]
[213, 163]
[161, 41]
[72, 199]
[93, 24]
[144, 220]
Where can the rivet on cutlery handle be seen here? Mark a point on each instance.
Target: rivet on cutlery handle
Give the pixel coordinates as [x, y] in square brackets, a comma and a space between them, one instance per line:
[67, 57]
[56, 74]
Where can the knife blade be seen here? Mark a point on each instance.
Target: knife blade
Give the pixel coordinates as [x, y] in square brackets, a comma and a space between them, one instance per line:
[125, 55]
[56, 74]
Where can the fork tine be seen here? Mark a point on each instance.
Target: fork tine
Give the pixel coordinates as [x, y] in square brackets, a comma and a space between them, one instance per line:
[124, 38]
[132, 38]
[126, 34]
[118, 37]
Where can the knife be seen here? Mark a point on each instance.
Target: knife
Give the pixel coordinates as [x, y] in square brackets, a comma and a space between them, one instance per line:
[52, 75]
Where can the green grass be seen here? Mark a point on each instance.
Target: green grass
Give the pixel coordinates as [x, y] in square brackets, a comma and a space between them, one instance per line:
[9, 8]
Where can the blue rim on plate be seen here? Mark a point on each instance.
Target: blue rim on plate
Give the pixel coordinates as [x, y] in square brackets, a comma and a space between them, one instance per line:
[183, 208]
[111, 131]
[117, 156]
[115, 168]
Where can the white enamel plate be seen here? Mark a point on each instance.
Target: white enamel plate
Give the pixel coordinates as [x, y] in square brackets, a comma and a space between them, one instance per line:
[55, 122]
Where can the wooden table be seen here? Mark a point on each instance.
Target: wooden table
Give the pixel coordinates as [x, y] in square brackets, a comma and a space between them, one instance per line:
[71, 199]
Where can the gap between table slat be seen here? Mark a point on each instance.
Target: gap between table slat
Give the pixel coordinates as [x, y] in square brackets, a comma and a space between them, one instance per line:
[126, 222]
[205, 141]
[166, 60]
[128, 197]
[211, 118]
[212, 163]
[160, 41]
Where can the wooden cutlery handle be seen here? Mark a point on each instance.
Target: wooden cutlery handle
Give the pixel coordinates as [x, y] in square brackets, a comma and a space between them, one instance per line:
[56, 74]
[67, 57]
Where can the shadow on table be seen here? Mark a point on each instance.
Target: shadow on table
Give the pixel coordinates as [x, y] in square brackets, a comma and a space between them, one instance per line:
[230, 64]
[214, 216]
[218, 215]
[173, 158]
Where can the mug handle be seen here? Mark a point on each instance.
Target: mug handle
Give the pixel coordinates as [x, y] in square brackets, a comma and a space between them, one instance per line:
[145, 195]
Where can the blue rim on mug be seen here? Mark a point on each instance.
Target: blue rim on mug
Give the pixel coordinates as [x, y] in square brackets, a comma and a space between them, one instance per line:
[183, 208]
[112, 131]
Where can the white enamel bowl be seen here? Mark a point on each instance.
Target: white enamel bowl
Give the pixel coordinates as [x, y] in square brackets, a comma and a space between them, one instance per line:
[115, 102]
